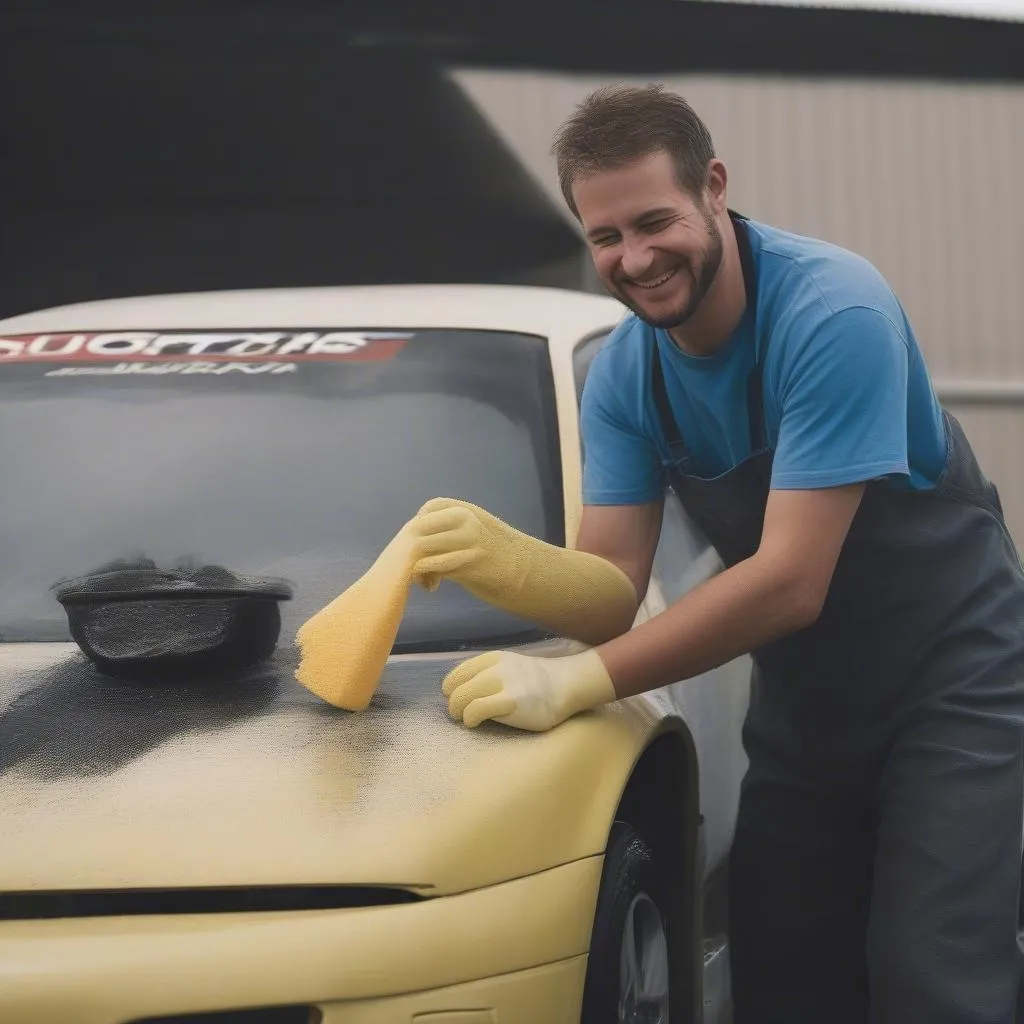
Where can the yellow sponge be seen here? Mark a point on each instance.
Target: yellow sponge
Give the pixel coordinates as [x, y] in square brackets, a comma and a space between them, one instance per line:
[345, 646]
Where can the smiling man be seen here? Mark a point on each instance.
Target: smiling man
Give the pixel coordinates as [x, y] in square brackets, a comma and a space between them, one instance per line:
[775, 382]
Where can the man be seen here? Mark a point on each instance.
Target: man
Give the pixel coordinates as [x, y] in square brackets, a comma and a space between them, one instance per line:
[776, 383]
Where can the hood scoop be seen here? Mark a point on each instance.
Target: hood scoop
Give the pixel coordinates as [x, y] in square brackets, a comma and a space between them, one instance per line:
[135, 619]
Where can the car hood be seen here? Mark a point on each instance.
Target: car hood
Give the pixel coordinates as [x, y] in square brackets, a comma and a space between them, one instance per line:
[109, 785]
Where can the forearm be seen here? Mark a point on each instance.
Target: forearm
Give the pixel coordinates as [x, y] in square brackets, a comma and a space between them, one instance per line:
[730, 615]
[570, 592]
[577, 595]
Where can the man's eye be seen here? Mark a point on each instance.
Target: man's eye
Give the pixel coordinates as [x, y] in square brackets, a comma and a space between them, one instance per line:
[605, 240]
[653, 226]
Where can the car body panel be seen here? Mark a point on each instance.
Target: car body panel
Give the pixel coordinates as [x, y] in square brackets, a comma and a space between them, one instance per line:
[284, 789]
[530, 310]
[101, 970]
[711, 706]
[540, 995]
[109, 790]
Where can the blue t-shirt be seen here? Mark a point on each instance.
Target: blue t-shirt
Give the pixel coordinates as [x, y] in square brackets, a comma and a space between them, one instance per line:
[847, 396]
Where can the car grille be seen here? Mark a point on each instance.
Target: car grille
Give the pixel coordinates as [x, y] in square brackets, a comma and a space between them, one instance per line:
[273, 1015]
[27, 906]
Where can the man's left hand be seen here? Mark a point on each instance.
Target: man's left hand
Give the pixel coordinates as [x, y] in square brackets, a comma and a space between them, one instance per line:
[526, 692]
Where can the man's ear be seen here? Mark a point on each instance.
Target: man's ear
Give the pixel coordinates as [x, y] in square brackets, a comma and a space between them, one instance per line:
[716, 188]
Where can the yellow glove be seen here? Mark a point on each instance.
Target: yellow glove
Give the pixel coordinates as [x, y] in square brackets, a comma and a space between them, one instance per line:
[572, 593]
[526, 692]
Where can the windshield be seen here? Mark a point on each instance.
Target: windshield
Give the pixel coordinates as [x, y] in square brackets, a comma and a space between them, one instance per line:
[288, 453]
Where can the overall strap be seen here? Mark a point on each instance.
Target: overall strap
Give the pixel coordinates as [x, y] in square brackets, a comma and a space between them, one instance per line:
[755, 382]
[755, 388]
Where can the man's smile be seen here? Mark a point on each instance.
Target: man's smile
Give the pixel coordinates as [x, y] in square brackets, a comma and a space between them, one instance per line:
[656, 283]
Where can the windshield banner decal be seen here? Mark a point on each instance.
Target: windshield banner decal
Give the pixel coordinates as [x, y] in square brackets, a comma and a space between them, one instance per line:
[210, 349]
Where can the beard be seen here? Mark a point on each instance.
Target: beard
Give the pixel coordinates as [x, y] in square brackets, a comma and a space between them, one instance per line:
[703, 272]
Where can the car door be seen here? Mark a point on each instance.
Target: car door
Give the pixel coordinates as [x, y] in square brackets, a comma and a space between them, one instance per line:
[684, 556]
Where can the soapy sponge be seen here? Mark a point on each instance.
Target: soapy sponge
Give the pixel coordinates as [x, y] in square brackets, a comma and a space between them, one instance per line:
[345, 646]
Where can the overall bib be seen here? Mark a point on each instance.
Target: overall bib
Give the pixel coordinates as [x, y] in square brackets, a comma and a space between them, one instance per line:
[876, 866]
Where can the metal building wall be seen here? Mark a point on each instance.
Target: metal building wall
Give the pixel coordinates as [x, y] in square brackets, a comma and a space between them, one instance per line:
[921, 177]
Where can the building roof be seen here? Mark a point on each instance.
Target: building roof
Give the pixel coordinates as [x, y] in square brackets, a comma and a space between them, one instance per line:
[1001, 10]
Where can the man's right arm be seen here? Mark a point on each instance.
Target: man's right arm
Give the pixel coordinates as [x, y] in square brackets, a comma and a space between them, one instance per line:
[626, 536]
[592, 591]
[623, 485]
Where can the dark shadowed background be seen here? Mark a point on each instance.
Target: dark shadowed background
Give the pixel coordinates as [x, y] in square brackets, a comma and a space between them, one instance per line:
[163, 147]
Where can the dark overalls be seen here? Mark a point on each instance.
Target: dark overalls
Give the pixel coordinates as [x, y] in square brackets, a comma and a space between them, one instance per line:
[876, 866]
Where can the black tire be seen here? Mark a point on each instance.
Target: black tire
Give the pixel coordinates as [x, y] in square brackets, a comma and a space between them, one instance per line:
[630, 874]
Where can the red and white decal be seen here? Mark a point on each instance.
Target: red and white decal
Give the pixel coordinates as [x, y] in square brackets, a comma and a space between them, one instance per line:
[211, 347]
[162, 369]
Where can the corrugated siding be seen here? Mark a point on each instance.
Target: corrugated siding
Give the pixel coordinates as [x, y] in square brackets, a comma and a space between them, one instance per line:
[924, 178]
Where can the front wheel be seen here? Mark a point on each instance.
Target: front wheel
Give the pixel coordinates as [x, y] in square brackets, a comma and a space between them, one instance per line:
[628, 972]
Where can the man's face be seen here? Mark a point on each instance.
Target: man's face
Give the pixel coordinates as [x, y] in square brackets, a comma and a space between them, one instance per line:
[656, 247]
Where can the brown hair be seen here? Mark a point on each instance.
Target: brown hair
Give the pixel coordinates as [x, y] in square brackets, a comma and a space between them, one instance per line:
[618, 124]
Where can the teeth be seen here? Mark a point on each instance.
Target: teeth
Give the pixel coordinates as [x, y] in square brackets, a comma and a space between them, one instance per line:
[654, 284]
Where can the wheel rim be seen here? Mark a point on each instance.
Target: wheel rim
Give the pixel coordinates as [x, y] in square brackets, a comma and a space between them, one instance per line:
[643, 965]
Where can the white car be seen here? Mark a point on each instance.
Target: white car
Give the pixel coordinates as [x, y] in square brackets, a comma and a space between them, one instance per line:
[183, 846]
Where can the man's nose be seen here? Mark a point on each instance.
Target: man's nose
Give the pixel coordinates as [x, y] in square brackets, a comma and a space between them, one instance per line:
[636, 258]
